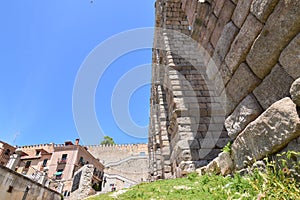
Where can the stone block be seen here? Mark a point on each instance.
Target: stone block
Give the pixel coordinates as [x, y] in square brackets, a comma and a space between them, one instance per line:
[201, 171]
[167, 169]
[245, 113]
[190, 9]
[222, 164]
[225, 163]
[290, 58]
[166, 152]
[213, 167]
[281, 27]
[243, 42]
[261, 9]
[227, 102]
[187, 167]
[200, 163]
[202, 15]
[274, 87]
[240, 12]
[195, 154]
[224, 17]
[235, 1]
[212, 69]
[224, 42]
[225, 73]
[208, 143]
[218, 7]
[242, 83]
[212, 153]
[221, 79]
[269, 133]
[222, 142]
[210, 27]
[295, 92]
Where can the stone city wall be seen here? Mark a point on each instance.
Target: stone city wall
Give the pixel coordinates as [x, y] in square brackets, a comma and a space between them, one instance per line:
[135, 168]
[129, 162]
[248, 60]
[113, 153]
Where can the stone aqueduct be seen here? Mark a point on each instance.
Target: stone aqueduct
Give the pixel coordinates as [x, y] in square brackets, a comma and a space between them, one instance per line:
[216, 64]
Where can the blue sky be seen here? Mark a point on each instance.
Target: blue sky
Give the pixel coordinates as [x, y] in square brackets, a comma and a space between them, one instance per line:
[43, 44]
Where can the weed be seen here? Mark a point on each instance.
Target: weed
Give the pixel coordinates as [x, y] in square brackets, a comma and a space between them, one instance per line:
[192, 176]
[227, 148]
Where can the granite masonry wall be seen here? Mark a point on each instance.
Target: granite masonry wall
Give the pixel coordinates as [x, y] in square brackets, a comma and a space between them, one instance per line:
[217, 65]
[127, 163]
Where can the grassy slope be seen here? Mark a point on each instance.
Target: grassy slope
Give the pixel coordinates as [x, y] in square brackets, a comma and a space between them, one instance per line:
[257, 186]
[204, 187]
[278, 181]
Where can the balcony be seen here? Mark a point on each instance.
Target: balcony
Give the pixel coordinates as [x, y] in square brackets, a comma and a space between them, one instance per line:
[62, 161]
[58, 177]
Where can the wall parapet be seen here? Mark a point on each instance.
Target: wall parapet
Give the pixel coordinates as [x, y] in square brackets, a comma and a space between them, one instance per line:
[19, 184]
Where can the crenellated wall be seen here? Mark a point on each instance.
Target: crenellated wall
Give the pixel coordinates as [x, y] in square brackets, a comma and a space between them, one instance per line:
[216, 63]
[128, 161]
[113, 153]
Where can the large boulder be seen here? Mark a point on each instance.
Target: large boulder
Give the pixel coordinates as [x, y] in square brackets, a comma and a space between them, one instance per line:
[268, 134]
[221, 164]
[295, 92]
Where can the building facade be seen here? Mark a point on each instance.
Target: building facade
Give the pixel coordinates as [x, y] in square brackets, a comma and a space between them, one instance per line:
[6, 151]
[60, 162]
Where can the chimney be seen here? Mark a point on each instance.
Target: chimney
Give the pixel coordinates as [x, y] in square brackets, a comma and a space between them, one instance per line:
[77, 141]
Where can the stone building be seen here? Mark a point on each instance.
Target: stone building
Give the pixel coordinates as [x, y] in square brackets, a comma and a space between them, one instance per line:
[82, 169]
[217, 64]
[36, 158]
[6, 150]
[60, 162]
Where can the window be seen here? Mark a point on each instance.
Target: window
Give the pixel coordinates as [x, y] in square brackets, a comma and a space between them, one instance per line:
[45, 162]
[64, 157]
[37, 152]
[28, 163]
[7, 152]
[81, 161]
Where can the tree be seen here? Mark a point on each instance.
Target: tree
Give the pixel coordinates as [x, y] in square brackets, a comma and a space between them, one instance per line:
[107, 141]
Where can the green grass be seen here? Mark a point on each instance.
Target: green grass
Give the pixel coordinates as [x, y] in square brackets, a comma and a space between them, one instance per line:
[204, 187]
[279, 181]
